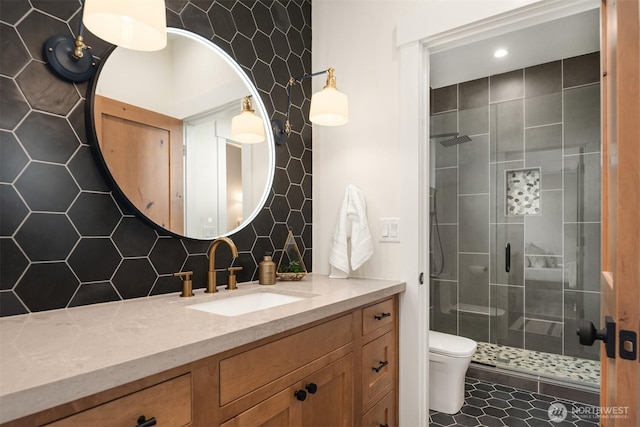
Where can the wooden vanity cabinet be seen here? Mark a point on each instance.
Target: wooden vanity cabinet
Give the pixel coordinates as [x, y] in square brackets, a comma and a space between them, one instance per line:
[351, 360]
[340, 371]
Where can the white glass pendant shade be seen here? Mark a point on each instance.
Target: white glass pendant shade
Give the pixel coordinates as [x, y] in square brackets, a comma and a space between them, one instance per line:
[329, 107]
[247, 128]
[131, 24]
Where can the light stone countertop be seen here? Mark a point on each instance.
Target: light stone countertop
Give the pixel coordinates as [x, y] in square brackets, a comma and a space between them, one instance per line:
[53, 357]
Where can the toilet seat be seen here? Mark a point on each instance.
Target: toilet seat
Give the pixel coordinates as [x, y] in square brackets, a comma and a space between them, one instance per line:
[450, 345]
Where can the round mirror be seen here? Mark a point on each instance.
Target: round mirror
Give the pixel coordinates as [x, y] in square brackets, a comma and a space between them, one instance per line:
[162, 123]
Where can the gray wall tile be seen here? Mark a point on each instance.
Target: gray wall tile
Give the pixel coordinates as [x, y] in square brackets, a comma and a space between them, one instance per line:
[474, 279]
[446, 198]
[444, 99]
[582, 119]
[505, 325]
[582, 262]
[473, 94]
[543, 149]
[444, 301]
[581, 70]
[474, 326]
[582, 188]
[543, 109]
[545, 230]
[543, 336]
[449, 240]
[473, 166]
[507, 130]
[543, 298]
[441, 124]
[543, 79]
[474, 121]
[474, 223]
[506, 86]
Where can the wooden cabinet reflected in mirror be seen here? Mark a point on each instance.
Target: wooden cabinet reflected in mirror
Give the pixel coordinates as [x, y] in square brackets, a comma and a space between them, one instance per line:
[162, 127]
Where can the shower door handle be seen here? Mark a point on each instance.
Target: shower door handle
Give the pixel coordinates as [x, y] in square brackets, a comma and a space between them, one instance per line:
[507, 257]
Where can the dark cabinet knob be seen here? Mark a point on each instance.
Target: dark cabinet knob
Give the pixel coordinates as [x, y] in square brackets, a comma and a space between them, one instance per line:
[381, 316]
[311, 388]
[143, 422]
[301, 395]
[384, 425]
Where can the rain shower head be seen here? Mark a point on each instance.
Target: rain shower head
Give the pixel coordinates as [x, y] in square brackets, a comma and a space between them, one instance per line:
[453, 138]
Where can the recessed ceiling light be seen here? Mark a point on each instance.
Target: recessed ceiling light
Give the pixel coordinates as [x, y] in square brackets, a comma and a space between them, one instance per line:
[499, 53]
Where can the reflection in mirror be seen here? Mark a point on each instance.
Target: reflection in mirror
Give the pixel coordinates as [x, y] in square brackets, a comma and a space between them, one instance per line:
[163, 126]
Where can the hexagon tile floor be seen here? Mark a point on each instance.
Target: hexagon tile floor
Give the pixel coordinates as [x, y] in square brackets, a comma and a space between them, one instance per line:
[494, 405]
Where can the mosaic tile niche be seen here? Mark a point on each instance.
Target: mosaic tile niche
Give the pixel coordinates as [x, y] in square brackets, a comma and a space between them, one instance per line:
[523, 192]
[65, 238]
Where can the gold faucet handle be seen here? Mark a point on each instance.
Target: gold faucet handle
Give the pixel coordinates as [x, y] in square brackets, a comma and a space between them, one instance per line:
[187, 283]
[231, 285]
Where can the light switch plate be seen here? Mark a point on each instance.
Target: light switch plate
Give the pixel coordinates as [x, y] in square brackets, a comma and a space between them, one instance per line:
[389, 230]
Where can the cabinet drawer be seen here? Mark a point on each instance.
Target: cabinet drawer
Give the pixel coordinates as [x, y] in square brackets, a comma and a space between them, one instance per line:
[247, 371]
[377, 315]
[378, 367]
[168, 402]
[383, 414]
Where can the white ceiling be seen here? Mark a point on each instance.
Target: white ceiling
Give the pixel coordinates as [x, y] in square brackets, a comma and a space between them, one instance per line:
[562, 38]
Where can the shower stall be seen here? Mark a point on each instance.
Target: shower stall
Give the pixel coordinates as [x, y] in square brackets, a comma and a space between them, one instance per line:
[515, 216]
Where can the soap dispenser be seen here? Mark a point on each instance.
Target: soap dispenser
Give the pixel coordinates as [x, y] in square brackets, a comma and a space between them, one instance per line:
[267, 270]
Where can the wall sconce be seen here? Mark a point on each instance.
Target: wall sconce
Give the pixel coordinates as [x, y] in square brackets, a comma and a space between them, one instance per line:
[139, 25]
[246, 127]
[329, 107]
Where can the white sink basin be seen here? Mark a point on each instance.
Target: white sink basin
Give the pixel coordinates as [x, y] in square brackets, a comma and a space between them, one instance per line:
[246, 303]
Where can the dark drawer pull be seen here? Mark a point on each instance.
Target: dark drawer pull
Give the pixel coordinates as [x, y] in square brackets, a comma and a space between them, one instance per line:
[382, 365]
[382, 316]
[143, 422]
[384, 425]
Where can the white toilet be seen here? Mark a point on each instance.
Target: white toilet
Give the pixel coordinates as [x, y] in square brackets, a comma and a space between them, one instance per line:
[449, 358]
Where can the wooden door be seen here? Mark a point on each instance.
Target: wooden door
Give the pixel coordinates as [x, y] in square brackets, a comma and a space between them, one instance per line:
[620, 283]
[143, 151]
[332, 402]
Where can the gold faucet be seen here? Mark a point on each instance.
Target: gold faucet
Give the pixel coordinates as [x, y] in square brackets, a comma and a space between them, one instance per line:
[211, 274]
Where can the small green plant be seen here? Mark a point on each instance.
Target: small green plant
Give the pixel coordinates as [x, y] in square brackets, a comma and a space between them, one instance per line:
[292, 267]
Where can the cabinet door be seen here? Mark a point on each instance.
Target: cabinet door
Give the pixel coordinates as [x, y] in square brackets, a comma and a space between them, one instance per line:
[331, 403]
[277, 411]
[378, 368]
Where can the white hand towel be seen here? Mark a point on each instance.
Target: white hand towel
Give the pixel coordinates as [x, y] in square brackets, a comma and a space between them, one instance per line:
[352, 223]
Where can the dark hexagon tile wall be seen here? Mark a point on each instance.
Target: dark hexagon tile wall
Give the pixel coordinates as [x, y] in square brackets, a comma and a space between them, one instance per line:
[65, 239]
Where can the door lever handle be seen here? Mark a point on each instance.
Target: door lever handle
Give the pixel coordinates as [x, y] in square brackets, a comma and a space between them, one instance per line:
[589, 334]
